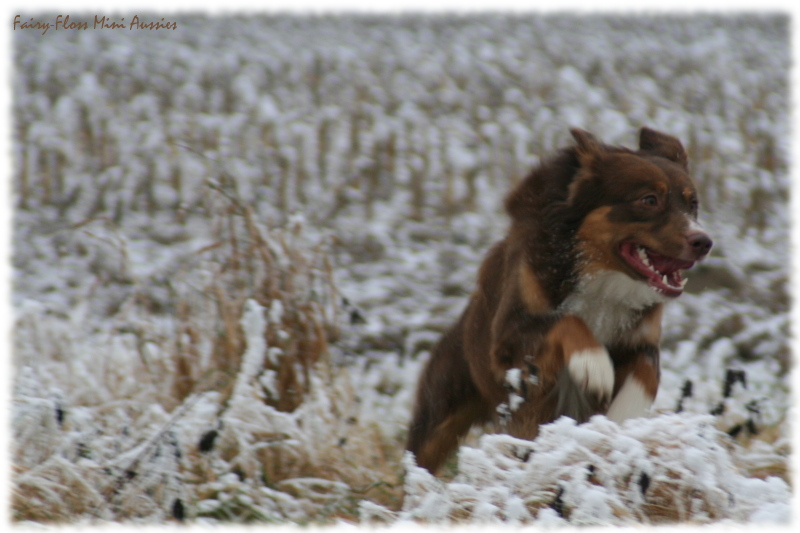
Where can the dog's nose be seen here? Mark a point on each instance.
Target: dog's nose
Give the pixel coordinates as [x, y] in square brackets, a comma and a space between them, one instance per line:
[700, 244]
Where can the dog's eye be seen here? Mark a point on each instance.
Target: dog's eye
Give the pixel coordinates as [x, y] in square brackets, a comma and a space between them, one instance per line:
[651, 200]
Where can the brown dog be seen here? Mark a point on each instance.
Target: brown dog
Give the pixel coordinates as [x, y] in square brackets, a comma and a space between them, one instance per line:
[566, 316]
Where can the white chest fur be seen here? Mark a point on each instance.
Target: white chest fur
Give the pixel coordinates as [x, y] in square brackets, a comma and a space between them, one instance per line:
[610, 303]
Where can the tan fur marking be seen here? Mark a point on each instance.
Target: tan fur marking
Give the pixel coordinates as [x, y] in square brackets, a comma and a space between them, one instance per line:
[596, 236]
[644, 369]
[532, 294]
[572, 335]
[687, 195]
[646, 373]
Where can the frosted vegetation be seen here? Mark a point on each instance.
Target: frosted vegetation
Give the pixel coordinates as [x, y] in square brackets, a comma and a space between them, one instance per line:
[235, 243]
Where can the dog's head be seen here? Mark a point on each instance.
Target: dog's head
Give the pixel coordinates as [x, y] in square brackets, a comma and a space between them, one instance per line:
[639, 211]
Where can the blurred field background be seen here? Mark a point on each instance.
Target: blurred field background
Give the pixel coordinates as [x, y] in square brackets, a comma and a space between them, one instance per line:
[235, 243]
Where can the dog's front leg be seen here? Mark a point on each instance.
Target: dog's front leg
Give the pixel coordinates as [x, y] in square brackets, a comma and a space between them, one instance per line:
[581, 367]
[637, 384]
[564, 370]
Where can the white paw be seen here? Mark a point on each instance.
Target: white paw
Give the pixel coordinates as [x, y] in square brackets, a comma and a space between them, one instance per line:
[632, 401]
[593, 371]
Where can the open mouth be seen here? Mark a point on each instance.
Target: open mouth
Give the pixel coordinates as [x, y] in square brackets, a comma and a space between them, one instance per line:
[662, 272]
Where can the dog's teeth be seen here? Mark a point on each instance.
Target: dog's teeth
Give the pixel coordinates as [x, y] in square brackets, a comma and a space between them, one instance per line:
[664, 279]
[643, 255]
[683, 283]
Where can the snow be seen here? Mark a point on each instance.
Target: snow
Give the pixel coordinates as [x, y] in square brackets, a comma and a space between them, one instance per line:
[595, 471]
[235, 246]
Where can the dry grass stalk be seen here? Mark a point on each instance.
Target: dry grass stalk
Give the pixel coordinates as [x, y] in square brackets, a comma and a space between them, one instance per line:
[253, 263]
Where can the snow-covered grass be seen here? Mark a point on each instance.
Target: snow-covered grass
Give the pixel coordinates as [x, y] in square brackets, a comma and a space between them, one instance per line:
[235, 244]
[667, 469]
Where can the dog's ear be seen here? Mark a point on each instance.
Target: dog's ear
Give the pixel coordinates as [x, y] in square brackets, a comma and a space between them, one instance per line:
[663, 145]
[589, 148]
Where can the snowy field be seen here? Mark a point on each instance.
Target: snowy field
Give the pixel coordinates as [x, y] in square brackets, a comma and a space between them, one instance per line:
[235, 244]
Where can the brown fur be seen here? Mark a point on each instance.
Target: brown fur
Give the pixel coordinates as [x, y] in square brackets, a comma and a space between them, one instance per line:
[568, 220]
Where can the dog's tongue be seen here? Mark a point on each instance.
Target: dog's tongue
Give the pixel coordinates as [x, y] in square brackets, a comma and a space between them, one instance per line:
[662, 272]
[667, 265]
